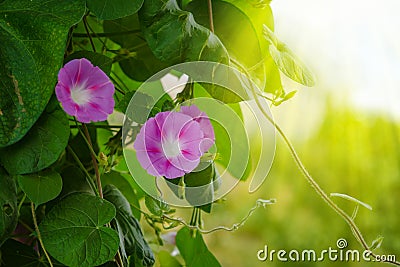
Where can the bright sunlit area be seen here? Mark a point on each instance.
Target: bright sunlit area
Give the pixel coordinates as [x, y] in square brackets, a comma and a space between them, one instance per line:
[346, 130]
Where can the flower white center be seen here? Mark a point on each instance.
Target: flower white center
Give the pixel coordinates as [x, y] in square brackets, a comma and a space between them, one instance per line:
[80, 95]
[171, 148]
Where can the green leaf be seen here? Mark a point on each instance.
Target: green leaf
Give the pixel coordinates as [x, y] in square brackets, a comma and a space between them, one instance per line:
[174, 36]
[193, 249]
[197, 187]
[116, 179]
[99, 60]
[166, 260]
[236, 32]
[287, 61]
[246, 45]
[113, 9]
[14, 253]
[156, 206]
[33, 35]
[8, 205]
[140, 63]
[261, 14]
[41, 147]
[132, 239]
[200, 188]
[42, 186]
[73, 232]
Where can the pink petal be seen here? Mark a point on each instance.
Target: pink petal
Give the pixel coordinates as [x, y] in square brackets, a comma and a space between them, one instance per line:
[78, 76]
[205, 124]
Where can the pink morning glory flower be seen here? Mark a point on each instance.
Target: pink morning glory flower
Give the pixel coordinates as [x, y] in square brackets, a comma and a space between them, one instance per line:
[170, 144]
[85, 91]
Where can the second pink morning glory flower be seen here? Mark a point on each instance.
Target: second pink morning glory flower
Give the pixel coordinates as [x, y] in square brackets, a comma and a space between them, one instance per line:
[171, 144]
[85, 91]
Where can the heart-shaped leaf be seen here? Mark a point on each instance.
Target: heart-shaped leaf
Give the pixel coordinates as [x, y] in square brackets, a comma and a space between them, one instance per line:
[238, 31]
[41, 147]
[42, 186]
[33, 35]
[73, 232]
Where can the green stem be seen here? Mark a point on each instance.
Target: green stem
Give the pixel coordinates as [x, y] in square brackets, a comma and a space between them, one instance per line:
[210, 15]
[85, 24]
[192, 218]
[94, 161]
[39, 235]
[121, 81]
[117, 86]
[85, 138]
[21, 202]
[80, 164]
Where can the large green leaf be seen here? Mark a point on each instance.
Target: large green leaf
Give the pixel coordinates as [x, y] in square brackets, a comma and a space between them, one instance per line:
[32, 43]
[287, 61]
[73, 232]
[113, 9]
[41, 147]
[174, 36]
[239, 25]
[236, 32]
[261, 14]
[133, 242]
[139, 63]
[42, 186]
[193, 249]
[8, 205]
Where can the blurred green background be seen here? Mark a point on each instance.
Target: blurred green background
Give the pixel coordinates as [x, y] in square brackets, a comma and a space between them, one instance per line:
[348, 151]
